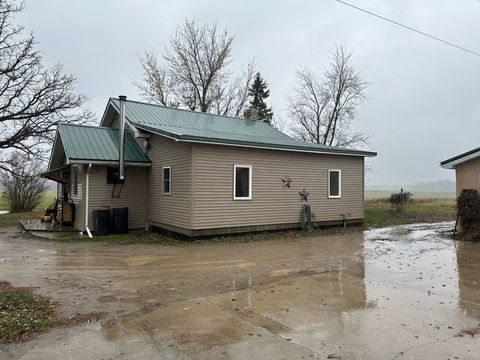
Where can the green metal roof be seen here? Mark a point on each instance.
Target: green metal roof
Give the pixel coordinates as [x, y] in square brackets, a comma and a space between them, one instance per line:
[53, 171]
[95, 143]
[186, 125]
[449, 163]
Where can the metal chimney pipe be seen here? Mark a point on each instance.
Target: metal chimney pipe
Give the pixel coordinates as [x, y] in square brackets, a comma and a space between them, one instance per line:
[121, 131]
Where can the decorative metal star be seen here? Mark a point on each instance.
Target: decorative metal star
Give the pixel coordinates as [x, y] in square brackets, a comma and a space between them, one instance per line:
[304, 195]
[286, 182]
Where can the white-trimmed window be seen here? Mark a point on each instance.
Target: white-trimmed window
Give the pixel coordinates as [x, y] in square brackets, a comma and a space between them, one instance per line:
[334, 184]
[242, 182]
[167, 180]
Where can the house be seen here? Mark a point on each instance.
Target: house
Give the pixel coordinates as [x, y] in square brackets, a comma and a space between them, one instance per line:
[201, 174]
[467, 170]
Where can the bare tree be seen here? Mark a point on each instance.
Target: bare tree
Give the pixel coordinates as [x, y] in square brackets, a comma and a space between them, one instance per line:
[156, 85]
[22, 187]
[322, 109]
[33, 99]
[280, 123]
[307, 107]
[232, 98]
[194, 73]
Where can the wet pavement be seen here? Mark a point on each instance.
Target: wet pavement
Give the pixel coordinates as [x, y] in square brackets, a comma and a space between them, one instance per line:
[396, 293]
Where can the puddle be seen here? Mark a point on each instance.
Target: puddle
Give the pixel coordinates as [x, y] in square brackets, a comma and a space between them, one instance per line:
[4, 212]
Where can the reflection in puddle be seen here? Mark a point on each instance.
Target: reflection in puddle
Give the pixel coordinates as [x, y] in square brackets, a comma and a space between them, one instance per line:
[411, 275]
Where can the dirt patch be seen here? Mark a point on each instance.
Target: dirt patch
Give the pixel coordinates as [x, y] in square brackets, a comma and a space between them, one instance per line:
[430, 216]
[469, 331]
[24, 314]
[411, 217]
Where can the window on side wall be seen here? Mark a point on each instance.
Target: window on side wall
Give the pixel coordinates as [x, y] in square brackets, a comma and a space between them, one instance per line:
[242, 182]
[167, 180]
[74, 183]
[334, 184]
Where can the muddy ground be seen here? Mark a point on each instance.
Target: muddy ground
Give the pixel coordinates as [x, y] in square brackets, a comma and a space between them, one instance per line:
[406, 292]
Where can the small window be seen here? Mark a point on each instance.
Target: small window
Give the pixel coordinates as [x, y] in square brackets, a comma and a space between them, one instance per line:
[166, 180]
[242, 182]
[334, 183]
[75, 180]
[113, 175]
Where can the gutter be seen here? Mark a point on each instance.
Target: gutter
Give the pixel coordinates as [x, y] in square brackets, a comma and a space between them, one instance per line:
[87, 184]
[121, 130]
[179, 138]
[109, 163]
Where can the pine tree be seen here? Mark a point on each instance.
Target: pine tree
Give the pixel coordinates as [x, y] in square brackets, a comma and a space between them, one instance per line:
[258, 109]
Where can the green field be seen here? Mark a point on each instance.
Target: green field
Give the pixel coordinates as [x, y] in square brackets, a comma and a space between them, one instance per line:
[416, 195]
[47, 200]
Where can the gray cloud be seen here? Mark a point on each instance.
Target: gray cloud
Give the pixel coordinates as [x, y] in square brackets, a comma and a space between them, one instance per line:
[422, 103]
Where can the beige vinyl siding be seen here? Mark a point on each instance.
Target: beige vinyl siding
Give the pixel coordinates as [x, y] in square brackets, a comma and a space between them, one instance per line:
[468, 175]
[134, 194]
[78, 197]
[173, 209]
[214, 207]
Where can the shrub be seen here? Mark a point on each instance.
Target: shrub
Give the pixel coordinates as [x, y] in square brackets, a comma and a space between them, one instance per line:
[400, 200]
[468, 210]
[22, 186]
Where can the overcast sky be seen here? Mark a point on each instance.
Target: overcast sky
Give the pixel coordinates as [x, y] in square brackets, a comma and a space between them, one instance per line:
[423, 101]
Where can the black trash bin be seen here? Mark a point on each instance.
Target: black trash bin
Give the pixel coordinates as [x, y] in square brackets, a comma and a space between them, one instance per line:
[120, 220]
[102, 222]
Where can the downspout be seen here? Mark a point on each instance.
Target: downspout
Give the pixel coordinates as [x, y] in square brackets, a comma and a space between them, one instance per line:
[87, 185]
[121, 131]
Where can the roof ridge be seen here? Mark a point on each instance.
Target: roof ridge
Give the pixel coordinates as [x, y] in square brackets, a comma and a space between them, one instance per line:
[192, 111]
[87, 126]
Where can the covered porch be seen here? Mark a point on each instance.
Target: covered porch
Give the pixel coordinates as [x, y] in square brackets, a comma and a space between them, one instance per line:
[85, 165]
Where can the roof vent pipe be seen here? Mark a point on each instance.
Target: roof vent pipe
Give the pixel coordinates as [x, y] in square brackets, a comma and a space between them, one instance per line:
[121, 132]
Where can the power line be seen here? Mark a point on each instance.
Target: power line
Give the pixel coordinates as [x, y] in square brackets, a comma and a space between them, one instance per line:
[410, 28]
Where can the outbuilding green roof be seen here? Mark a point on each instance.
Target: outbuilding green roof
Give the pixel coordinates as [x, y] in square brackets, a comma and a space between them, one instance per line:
[458, 159]
[194, 126]
[98, 144]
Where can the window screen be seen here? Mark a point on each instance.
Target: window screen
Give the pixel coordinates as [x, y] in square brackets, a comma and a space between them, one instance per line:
[242, 182]
[334, 183]
[167, 175]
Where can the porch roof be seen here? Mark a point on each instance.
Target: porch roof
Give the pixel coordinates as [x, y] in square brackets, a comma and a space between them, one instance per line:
[98, 144]
[57, 174]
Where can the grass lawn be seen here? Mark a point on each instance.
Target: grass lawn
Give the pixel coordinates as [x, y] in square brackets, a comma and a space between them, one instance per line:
[379, 213]
[23, 313]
